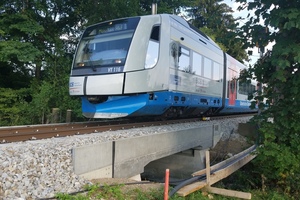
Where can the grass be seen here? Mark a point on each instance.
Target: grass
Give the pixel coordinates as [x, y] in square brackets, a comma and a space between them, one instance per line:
[117, 192]
[243, 180]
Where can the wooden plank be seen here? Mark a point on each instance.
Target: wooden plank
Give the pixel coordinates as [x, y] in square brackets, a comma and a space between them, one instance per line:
[223, 173]
[188, 189]
[229, 193]
[225, 162]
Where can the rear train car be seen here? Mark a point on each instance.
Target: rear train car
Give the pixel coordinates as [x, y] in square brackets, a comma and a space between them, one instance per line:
[157, 65]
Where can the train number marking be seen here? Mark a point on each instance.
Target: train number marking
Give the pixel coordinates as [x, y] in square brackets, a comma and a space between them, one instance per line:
[114, 69]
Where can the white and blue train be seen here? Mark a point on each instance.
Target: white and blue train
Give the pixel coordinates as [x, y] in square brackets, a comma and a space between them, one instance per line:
[156, 65]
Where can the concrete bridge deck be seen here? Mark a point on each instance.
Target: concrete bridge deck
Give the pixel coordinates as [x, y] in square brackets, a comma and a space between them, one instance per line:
[125, 158]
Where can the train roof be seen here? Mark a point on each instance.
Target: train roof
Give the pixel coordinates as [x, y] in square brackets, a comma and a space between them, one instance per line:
[191, 27]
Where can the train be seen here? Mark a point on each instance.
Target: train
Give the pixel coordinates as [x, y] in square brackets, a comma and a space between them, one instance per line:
[155, 66]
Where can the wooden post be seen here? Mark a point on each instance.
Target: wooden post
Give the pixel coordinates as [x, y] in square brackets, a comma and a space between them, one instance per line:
[55, 112]
[68, 116]
[207, 168]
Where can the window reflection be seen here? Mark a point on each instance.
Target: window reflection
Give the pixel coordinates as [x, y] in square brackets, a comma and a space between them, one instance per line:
[197, 63]
[153, 48]
[184, 63]
[152, 54]
[184, 60]
[207, 68]
[216, 71]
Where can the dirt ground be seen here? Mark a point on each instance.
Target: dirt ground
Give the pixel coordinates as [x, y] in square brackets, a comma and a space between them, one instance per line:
[129, 184]
[229, 147]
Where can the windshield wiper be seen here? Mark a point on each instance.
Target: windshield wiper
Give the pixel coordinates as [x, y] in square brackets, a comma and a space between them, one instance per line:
[93, 67]
[87, 50]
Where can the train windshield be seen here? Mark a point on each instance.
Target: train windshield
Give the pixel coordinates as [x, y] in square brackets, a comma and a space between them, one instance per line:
[105, 44]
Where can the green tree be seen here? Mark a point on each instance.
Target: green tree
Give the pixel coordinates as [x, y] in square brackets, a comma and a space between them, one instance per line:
[37, 44]
[217, 17]
[16, 48]
[12, 104]
[278, 72]
[96, 11]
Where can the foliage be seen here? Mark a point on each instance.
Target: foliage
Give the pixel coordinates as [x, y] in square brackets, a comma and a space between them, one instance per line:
[278, 72]
[19, 78]
[165, 6]
[12, 104]
[95, 11]
[17, 50]
[63, 196]
[35, 54]
[212, 34]
[111, 192]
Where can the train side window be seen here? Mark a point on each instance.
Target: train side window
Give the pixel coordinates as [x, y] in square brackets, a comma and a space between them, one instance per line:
[207, 68]
[216, 71]
[184, 60]
[153, 48]
[197, 63]
[155, 33]
[246, 88]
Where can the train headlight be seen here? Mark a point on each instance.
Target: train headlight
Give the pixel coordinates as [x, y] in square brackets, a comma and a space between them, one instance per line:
[81, 64]
[118, 61]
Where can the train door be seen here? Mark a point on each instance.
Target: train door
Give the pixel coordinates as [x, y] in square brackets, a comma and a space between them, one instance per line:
[232, 91]
[232, 86]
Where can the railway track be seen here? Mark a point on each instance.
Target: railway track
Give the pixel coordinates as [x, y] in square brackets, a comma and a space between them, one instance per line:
[34, 132]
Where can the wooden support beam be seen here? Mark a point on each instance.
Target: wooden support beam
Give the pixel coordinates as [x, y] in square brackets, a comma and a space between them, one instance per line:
[229, 193]
[223, 173]
[225, 169]
[225, 162]
[207, 168]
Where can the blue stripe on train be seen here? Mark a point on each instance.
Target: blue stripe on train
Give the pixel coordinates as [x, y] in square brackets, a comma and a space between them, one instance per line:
[156, 104]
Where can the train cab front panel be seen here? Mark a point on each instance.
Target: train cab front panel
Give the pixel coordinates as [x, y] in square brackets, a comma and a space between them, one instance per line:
[98, 66]
[121, 57]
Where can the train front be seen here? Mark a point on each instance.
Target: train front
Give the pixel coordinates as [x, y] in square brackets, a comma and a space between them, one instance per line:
[107, 68]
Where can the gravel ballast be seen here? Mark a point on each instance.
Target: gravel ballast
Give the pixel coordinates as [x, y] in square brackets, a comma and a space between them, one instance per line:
[42, 168]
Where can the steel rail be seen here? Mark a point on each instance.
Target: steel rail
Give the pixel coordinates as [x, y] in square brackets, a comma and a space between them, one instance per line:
[34, 132]
[23, 133]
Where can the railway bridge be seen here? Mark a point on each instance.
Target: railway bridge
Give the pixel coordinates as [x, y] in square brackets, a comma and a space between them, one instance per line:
[129, 157]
